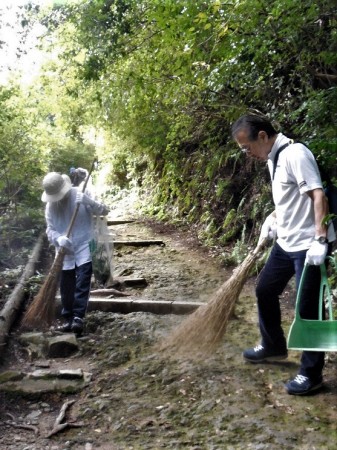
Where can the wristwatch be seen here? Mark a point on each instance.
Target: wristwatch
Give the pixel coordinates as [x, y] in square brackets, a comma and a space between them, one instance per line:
[321, 239]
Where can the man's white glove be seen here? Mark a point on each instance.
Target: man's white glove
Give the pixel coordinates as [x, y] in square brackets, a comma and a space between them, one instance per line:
[64, 241]
[316, 254]
[268, 229]
[84, 199]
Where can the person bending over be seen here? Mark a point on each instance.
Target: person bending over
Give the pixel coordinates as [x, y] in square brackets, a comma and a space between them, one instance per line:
[61, 200]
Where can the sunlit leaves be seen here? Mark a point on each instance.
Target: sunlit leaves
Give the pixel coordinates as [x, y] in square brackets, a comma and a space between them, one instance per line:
[165, 79]
[19, 158]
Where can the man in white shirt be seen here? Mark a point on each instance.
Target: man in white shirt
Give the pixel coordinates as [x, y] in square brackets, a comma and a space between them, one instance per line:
[61, 201]
[302, 237]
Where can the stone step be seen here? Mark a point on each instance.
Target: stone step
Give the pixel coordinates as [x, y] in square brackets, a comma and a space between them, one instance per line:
[129, 305]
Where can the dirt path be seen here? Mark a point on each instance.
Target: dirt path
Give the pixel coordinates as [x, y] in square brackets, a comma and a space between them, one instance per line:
[139, 399]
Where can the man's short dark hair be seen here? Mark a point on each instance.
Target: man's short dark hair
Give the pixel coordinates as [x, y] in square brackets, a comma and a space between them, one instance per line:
[253, 124]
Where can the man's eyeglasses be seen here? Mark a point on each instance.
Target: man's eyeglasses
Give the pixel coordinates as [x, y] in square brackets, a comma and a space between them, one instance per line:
[245, 149]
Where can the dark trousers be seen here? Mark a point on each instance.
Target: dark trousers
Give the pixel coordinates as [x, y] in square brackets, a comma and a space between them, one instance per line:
[75, 289]
[279, 269]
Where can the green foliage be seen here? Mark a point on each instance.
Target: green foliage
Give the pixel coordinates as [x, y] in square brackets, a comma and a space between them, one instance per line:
[20, 160]
[229, 226]
[161, 82]
[19, 229]
[193, 69]
[333, 275]
[239, 252]
[34, 284]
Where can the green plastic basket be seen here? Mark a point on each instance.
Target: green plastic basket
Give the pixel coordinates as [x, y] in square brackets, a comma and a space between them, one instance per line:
[314, 335]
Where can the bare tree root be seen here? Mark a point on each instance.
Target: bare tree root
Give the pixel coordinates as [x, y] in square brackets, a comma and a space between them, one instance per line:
[15, 424]
[58, 425]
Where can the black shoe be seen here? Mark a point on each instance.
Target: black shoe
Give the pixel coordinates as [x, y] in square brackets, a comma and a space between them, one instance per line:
[260, 354]
[77, 326]
[302, 385]
[66, 327]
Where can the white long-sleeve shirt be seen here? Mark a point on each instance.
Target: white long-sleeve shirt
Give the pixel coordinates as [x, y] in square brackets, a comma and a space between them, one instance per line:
[58, 217]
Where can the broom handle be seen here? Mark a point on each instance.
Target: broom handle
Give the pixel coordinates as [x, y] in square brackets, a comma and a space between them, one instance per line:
[260, 246]
[70, 227]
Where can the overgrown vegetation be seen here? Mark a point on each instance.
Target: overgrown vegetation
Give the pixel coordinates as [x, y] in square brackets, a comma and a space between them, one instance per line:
[152, 87]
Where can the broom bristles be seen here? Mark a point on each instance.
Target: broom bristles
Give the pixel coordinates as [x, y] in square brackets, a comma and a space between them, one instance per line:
[201, 332]
[41, 311]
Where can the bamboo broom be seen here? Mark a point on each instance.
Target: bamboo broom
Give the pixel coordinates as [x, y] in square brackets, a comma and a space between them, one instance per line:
[41, 311]
[201, 332]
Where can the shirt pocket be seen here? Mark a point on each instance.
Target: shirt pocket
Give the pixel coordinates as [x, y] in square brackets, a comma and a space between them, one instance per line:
[281, 175]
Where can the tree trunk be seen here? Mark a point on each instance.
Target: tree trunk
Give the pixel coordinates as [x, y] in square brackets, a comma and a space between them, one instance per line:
[14, 302]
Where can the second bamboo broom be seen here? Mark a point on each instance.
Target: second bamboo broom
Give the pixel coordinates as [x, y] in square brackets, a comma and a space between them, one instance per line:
[202, 331]
[41, 311]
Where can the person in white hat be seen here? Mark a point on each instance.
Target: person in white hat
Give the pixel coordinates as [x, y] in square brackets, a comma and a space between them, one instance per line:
[61, 199]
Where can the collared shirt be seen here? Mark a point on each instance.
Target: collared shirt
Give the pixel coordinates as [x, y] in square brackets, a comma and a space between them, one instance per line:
[296, 173]
[58, 216]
